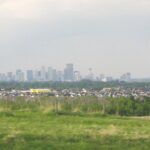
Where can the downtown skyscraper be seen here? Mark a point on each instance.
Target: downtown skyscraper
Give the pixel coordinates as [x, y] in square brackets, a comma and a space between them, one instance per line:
[69, 72]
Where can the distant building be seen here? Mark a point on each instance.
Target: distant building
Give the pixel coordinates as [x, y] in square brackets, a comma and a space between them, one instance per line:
[77, 76]
[69, 72]
[3, 77]
[19, 76]
[43, 74]
[50, 74]
[109, 78]
[10, 76]
[60, 75]
[37, 75]
[126, 77]
[102, 77]
[29, 75]
[54, 73]
[38, 91]
[90, 76]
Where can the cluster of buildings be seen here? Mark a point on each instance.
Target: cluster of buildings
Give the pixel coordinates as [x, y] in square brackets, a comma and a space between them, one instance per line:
[51, 74]
[126, 77]
[105, 92]
[43, 74]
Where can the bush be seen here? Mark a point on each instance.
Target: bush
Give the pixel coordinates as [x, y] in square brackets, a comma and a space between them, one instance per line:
[114, 106]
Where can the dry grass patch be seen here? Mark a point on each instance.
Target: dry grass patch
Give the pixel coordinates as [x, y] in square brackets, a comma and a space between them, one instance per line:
[110, 130]
[143, 117]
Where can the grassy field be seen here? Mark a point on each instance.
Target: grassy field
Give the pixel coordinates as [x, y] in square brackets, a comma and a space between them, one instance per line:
[27, 130]
[68, 124]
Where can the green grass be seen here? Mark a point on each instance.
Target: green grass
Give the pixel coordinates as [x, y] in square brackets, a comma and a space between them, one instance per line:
[37, 130]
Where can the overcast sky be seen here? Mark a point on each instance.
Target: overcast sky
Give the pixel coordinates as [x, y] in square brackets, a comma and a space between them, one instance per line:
[110, 36]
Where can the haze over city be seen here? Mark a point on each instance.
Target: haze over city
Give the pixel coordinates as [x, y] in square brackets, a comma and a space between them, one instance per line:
[112, 37]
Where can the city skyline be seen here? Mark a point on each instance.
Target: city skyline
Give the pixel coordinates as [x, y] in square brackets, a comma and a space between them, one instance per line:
[68, 73]
[111, 37]
[84, 74]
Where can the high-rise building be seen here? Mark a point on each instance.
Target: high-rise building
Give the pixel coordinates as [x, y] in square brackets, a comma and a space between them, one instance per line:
[54, 75]
[50, 74]
[3, 77]
[19, 75]
[69, 73]
[59, 76]
[37, 75]
[29, 75]
[126, 77]
[10, 76]
[43, 74]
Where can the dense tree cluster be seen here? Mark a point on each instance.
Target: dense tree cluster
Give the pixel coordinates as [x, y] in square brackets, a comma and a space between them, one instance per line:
[129, 106]
[81, 84]
[87, 104]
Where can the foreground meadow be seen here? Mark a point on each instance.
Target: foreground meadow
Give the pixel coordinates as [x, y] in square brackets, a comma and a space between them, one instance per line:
[32, 126]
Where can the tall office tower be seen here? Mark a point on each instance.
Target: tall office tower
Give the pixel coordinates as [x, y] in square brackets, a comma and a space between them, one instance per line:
[69, 73]
[36, 75]
[50, 74]
[43, 74]
[54, 75]
[3, 77]
[10, 76]
[29, 75]
[59, 75]
[18, 72]
[19, 75]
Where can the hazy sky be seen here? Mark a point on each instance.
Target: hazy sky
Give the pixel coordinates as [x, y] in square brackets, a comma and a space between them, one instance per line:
[110, 36]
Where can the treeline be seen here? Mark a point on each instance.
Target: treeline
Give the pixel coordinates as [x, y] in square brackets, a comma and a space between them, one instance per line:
[129, 106]
[85, 105]
[66, 85]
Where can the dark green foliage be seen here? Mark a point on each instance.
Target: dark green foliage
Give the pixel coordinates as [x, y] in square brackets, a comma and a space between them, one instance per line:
[129, 107]
[89, 104]
[76, 85]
